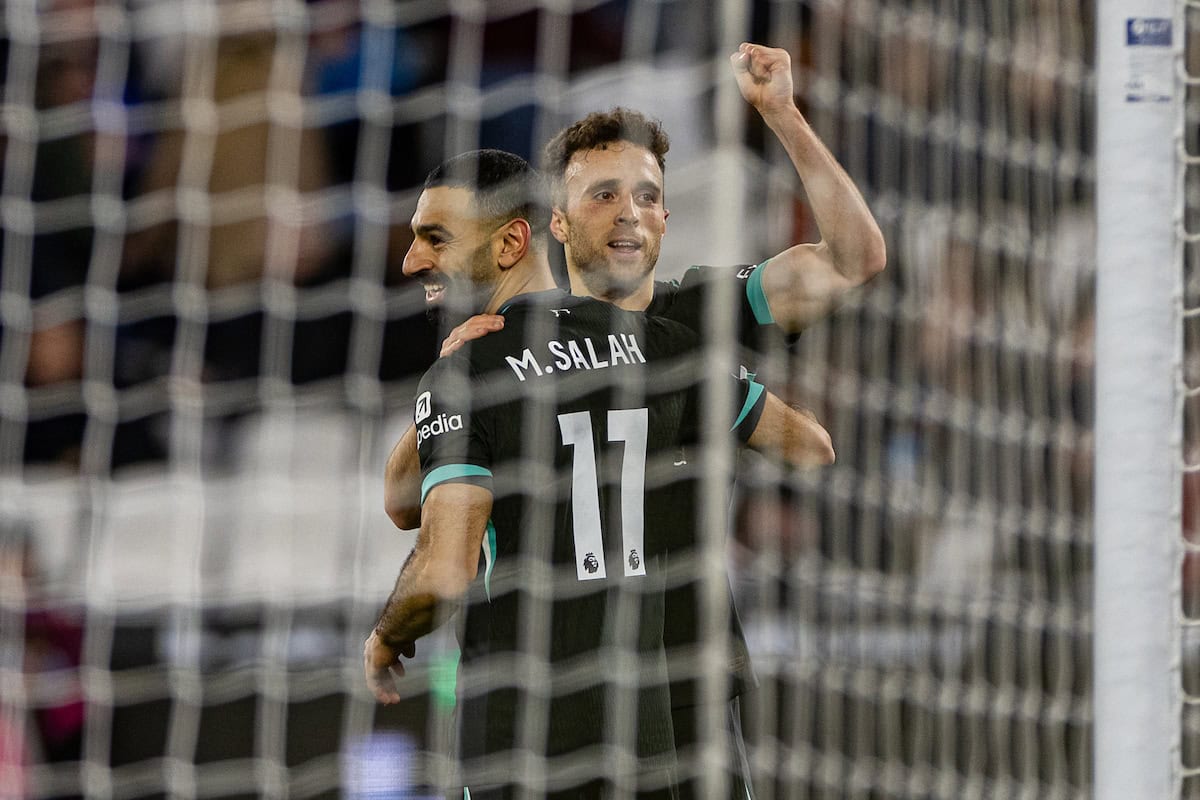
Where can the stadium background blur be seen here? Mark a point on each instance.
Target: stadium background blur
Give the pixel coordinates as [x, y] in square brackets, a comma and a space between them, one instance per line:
[207, 349]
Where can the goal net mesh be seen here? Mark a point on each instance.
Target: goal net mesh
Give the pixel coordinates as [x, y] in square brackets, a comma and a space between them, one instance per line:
[207, 350]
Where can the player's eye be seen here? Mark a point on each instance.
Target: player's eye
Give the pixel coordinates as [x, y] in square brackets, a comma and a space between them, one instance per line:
[604, 196]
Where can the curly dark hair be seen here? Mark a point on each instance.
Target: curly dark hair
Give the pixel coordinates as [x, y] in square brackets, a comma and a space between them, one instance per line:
[599, 129]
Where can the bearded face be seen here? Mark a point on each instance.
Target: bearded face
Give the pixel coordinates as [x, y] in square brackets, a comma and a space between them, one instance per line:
[613, 263]
[457, 292]
[612, 220]
[451, 255]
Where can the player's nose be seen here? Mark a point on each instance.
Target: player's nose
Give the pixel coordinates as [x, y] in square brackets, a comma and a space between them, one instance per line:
[416, 260]
[627, 210]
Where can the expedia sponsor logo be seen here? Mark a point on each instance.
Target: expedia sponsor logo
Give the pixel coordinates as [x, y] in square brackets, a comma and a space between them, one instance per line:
[440, 424]
[423, 408]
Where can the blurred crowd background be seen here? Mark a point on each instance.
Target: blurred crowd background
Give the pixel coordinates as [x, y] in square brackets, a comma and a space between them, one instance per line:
[204, 213]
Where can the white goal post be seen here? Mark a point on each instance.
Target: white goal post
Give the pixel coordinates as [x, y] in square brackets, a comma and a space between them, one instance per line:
[1139, 422]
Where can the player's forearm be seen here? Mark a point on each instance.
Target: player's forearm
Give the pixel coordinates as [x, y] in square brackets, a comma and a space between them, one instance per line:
[413, 609]
[847, 227]
[407, 618]
[792, 436]
[807, 443]
[441, 566]
[402, 483]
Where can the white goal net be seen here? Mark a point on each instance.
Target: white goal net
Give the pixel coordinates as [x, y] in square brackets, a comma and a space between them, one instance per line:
[207, 350]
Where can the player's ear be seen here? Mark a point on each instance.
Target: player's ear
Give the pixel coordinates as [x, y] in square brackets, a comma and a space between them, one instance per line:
[558, 224]
[515, 240]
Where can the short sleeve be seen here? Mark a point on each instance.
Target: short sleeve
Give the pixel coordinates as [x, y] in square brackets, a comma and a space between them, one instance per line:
[749, 398]
[684, 302]
[749, 411]
[450, 440]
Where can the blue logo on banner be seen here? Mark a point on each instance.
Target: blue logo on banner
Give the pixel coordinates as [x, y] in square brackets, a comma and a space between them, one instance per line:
[1148, 32]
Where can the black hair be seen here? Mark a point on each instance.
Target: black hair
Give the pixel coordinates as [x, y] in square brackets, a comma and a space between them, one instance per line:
[505, 186]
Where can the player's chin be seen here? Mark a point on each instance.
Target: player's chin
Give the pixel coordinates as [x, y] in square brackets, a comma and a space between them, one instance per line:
[630, 271]
[445, 303]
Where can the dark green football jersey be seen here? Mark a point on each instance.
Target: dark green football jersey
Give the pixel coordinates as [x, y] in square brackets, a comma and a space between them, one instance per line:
[684, 301]
[571, 415]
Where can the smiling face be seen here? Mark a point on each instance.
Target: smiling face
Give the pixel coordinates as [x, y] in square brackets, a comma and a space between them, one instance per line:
[451, 254]
[611, 219]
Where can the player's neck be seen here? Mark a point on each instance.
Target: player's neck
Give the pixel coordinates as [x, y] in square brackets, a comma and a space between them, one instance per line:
[524, 278]
[637, 300]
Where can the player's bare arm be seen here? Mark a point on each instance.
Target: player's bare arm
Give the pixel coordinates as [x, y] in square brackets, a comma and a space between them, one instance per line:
[402, 483]
[790, 435]
[442, 565]
[402, 476]
[807, 281]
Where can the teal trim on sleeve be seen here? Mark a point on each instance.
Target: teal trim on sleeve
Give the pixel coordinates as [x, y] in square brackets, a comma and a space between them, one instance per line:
[756, 390]
[449, 472]
[489, 556]
[466, 793]
[757, 297]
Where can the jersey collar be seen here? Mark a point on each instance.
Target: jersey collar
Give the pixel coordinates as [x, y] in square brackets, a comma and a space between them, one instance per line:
[549, 297]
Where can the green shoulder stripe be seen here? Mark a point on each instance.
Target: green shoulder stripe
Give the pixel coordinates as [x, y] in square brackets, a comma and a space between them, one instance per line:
[450, 472]
[757, 297]
[489, 557]
[756, 390]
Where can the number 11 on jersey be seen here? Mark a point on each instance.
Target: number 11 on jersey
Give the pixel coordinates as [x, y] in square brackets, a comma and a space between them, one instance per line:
[628, 426]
